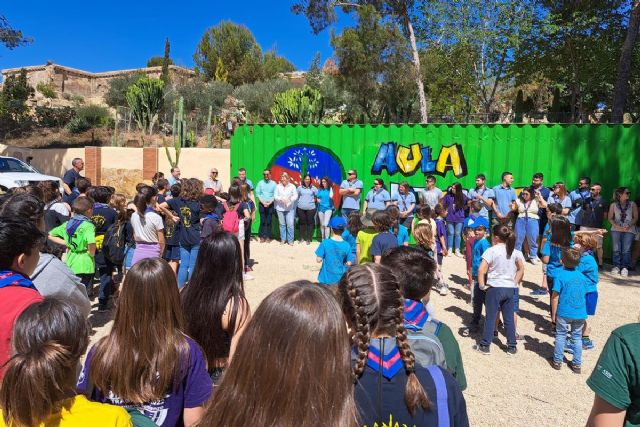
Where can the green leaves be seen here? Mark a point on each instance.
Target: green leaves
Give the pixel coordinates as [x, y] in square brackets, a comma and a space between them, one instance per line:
[298, 106]
[145, 98]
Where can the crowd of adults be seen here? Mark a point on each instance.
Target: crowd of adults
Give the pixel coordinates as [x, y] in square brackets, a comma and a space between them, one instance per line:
[373, 347]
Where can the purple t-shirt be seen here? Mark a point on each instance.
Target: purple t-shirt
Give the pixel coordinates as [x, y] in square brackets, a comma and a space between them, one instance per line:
[454, 215]
[194, 391]
[441, 230]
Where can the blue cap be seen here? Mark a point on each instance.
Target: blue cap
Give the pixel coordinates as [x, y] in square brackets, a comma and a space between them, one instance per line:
[480, 221]
[338, 223]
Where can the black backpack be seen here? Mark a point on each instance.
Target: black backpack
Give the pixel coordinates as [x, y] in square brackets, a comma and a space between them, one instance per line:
[114, 244]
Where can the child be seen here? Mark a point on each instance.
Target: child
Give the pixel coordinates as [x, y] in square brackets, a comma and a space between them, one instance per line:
[569, 308]
[19, 240]
[588, 266]
[424, 240]
[334, 254]
[373, 307]
[354, 225]
[400, 231]
[210, 221]
[424, 216]
[79, 235]
[415, 272]
[172, 234]
[560, 239]
[384, 240]
[49, 340]
[499, 273]
[160, 371]
[552, 210]
[441, 244]
[364, 238]
[480, 245]
[468, 235]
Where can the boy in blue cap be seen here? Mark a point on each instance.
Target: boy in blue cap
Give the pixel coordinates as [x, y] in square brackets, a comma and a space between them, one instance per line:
[334, 254]
[479, 225]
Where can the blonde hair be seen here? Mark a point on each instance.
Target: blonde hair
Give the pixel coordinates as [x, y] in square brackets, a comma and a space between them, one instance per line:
[423, 235]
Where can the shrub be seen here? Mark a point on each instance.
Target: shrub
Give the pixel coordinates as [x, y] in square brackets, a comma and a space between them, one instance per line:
[94, 115]
[47, 89]
[78, 125]
[53, 117]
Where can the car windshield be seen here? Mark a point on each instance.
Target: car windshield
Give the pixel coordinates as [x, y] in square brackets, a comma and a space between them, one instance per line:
[13, 165]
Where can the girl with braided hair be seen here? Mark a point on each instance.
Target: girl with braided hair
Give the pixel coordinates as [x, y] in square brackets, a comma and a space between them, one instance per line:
[390, 387]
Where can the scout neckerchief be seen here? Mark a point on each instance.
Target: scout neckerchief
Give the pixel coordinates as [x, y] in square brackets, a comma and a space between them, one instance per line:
[73, 224]
[389, 363]
[12, 278]
[415, 314]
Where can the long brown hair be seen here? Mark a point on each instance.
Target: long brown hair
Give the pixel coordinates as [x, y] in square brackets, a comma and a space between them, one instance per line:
[49, 337]
[191, 189]
[298, 328]
[140, 359]
[423, 235]
[372, 303]
[216, 281]
[507, 236]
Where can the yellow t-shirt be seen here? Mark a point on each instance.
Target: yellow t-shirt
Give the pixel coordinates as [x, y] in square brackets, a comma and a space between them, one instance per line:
[80, 412]
[365, 239]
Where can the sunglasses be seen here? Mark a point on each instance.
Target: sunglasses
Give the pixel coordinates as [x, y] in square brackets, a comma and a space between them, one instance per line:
[352, 173]
[216, 172]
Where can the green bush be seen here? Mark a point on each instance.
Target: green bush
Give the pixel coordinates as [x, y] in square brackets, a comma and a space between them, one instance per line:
[94, 115]
[78, 125]
[47, 89]
[53, 117]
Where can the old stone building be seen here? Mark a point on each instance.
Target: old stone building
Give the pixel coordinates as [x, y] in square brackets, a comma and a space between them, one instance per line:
[71, 83]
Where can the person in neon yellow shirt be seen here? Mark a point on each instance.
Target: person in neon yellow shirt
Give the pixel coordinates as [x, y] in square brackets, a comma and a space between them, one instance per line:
[38, 387]
[364, 239]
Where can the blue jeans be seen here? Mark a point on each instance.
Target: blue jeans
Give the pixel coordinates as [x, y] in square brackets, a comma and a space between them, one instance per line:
[478, 302]
[266, 215]
[188, 256]
[106, 282]
[286, 220]
[622, 243]
[529, 228]
[563, 325]
[499, 299]
[454, 235]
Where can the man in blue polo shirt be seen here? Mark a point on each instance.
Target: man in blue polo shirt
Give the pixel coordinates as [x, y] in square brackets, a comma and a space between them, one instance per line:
[578, 197]
[504, 195]
[350, 190]
[483, 195]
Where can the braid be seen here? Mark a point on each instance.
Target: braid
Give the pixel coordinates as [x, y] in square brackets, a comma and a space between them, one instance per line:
[414, 394]
[361, 333]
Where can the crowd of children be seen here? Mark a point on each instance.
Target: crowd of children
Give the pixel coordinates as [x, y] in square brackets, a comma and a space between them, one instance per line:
[368, 336]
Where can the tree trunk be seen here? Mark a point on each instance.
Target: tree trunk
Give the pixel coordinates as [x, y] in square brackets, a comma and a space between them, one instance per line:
[621, 90]
[416, 63]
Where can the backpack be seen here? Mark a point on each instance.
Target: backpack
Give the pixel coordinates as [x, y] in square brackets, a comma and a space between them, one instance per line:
[230, 219]
[114, 243]
[52, 218]
[426, 346]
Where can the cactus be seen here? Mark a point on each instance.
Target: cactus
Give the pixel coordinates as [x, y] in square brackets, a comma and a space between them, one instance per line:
[177, 149]
[179, 125]
[209, 127]
[304, 105]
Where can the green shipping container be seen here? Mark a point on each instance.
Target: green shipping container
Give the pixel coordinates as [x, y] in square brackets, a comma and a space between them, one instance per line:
[608, 154]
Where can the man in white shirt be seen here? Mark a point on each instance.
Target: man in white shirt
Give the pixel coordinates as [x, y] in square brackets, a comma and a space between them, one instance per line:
[431, 194]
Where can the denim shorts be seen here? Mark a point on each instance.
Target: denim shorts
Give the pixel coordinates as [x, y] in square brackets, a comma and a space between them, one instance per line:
[172, 253]
[592, 301]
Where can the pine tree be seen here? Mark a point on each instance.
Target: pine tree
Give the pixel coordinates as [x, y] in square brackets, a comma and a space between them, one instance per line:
[165, 62]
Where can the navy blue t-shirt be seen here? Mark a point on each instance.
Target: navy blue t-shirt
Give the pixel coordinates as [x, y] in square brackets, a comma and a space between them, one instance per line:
[189, 213]
[383, 242]
[103, 217]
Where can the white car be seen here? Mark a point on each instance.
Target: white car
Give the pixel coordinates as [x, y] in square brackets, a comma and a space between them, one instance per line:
[14, 173]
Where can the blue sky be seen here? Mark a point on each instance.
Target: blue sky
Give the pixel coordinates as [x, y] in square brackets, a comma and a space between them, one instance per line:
[111, 35]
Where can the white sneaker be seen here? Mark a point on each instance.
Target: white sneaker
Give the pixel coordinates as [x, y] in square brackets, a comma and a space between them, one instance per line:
[615, 270]
[247, 276]
[458, 253]
[624, 272]
[444, 290]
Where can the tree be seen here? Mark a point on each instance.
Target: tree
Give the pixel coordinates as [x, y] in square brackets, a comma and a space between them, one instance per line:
[236, 46]
[487, 32]
[275, 64]
[221, 74]
[14, 111]
[92, 116]
[258, 97]
[575, 45]
[145, 98]
[166, 61]
[322, 13]
[116, 95]
[10, 37]
[314, 74]
[621, 90]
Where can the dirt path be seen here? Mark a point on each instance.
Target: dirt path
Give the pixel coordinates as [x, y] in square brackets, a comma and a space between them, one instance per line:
[503, 390]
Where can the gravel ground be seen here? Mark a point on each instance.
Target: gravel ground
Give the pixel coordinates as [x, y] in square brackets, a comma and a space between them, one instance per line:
[519, 390]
